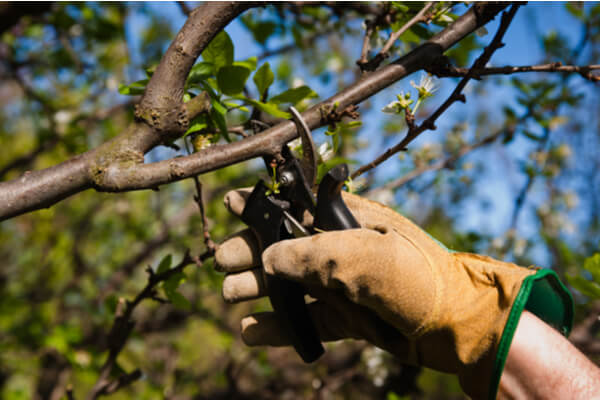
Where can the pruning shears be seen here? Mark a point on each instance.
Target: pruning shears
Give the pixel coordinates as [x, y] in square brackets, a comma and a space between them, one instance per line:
[274, 213]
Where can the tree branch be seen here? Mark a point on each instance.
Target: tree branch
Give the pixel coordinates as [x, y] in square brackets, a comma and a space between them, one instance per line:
[269, 142]
[161, 108]
[585, 70]
[162, 104]
[117, 165]
[456, 95]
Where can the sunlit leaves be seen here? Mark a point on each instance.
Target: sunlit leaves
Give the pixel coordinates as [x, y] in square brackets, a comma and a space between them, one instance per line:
[263, 79]
[134, 89]
[219, 51]
[232, 79]
[170, 287]
[165, 264]
[200, 71]
[590, 285]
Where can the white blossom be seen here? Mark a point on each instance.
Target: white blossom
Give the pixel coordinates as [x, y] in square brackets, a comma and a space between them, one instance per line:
[426, 86]
[325, 151]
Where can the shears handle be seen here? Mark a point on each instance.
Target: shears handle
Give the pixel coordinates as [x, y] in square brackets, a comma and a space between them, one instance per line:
[331, 213]
[287, 297]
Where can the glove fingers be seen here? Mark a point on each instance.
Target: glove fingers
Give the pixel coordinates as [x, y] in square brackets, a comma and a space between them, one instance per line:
[263, 329]
[235, 200]
[245, 285]
[238, 252]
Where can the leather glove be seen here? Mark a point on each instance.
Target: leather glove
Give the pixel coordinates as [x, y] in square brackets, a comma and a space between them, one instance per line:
[391, 284]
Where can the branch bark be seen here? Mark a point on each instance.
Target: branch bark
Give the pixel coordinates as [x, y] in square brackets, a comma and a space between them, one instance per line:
[583, 70]
[117, 165]
[269, 142]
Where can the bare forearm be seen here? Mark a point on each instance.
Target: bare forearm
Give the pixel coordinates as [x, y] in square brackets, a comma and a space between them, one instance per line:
[542, 364]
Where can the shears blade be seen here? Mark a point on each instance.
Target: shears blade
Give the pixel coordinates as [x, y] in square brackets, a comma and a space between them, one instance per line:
[308, 163]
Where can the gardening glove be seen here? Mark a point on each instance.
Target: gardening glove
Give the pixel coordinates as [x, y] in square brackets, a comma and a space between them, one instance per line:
[393, 285]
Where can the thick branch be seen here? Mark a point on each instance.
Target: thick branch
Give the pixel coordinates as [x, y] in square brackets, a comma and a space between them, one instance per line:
[162, 104]
[269, 142]
[124, 171]
[40, 189]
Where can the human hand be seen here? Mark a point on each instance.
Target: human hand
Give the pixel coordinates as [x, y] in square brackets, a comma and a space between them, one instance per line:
[388, 282]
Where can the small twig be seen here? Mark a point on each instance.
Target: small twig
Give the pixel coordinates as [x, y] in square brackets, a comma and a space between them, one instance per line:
[366, 46]
[421, 16]
[294, 46]
[456, 95]
[210, 245]
[185, 9]
[122, 328]
[238, 130]
[441, 164]
[383, 18]
[585, 71]
[373, 64]
[522, 196]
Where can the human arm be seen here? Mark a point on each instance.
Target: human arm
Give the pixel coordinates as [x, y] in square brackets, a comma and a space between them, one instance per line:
[543, 364]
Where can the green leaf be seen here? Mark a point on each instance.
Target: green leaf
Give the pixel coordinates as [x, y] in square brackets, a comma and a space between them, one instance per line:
[133, 89]
[592, 264]
[150, 70]
[178, 300]
[398, 5]
[294, 95]
[587, 288]
[200, 72]
[270, 108]
[199, 123]
[170, 287]
[232, 78]
[353, 124]
[165, 264]
[217, 114]
[263, 78]
[421, 32]
[171, 284]
[262, 30]
[575, 10]
[250, 63]
[219, 51]
[111, 303]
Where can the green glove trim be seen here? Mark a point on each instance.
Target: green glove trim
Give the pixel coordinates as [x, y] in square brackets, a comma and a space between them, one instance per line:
[544, 295]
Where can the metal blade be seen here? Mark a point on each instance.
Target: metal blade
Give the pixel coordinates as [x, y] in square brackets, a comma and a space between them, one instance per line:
[294, 227]
[309, 151]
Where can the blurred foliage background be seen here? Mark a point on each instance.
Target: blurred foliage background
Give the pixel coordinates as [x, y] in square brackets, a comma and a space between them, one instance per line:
[513, 174]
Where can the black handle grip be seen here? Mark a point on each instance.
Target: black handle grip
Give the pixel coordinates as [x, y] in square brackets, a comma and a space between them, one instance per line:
[265, 218]
[332, 213]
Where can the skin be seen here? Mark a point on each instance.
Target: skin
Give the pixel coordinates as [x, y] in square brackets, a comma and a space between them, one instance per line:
[543, 364]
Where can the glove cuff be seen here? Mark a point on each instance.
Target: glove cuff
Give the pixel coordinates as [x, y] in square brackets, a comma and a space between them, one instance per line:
[544, 295]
